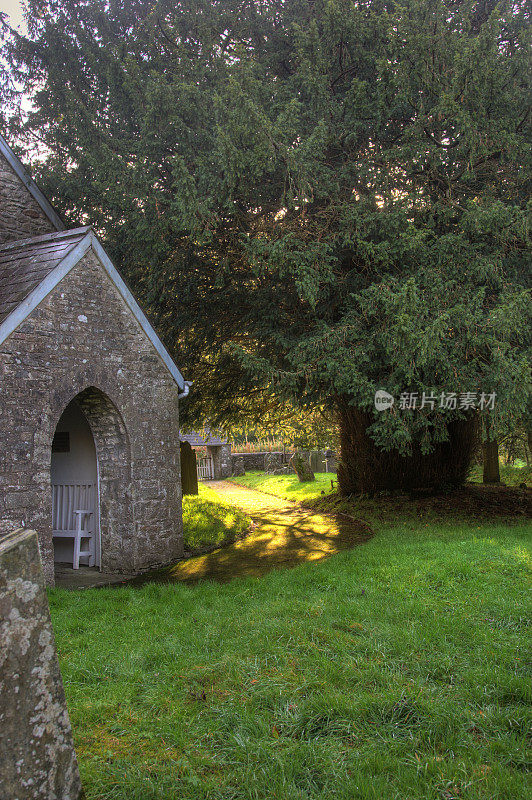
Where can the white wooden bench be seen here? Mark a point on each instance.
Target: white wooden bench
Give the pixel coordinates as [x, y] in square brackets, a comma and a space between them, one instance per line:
[73, 518]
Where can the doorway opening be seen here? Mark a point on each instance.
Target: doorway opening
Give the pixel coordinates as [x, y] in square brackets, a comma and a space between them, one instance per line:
[75, 491]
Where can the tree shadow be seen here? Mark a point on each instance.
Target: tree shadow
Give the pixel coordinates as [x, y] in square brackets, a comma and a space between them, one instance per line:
[280, 539]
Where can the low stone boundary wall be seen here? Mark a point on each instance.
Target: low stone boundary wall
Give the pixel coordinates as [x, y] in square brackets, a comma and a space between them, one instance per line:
[254, 462]
[320, 460]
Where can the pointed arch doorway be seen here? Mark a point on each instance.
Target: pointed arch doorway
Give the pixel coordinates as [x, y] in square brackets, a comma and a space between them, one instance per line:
[75, 491]
[91, 472]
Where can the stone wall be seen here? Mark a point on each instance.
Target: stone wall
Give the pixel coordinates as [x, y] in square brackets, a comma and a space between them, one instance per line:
[36, 749]
[21, 217]
[83, 339]
[254, 462]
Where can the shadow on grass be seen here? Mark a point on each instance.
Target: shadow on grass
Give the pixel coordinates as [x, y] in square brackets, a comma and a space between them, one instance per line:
[475, 503]
[280, 539]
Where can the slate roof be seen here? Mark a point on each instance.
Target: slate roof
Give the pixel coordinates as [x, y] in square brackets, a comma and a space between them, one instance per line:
[31, 268]
[202, 438]
[26, 263]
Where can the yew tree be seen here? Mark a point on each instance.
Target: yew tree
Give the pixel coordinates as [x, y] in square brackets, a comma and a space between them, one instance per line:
[314, 199]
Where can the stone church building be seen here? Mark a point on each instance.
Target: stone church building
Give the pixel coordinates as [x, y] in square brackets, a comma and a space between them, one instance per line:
[89, 396]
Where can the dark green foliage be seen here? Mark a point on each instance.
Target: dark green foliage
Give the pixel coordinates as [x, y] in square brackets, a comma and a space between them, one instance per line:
[314, 199]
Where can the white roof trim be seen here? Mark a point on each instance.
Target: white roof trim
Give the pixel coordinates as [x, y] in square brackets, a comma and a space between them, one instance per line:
[63, 268]
[30, 185]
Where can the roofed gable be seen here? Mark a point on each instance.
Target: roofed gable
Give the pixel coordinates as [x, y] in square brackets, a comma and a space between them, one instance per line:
[26, 263]
[30, 269]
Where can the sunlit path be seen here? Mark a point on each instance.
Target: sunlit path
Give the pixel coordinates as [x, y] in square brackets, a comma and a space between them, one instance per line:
[284, 534]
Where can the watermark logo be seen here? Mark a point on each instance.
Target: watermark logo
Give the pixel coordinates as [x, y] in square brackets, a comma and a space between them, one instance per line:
[383, 400]
[450, 401]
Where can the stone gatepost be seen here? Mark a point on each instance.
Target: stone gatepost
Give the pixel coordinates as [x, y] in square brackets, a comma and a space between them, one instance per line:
[37, 758]
[225, 461]
[221, 458]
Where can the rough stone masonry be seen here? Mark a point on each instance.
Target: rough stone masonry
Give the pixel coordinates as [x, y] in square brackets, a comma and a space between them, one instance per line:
[20, 214]
[83, 342]
[130, 401]
[37, 758]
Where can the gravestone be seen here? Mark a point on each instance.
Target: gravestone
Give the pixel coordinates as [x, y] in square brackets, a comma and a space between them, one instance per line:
[238, 467]
[189, 469]
[284, 470]
[37, 758]
[302, 468]
[330, 460]
[272, 462]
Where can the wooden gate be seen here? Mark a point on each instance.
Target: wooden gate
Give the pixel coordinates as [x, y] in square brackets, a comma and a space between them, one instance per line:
[205, 468]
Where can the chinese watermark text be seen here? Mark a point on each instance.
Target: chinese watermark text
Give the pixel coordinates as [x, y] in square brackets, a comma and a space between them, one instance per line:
[449, 401]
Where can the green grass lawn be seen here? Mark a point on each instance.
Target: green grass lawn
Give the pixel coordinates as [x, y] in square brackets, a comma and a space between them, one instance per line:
[399, 670]
[471, 503]
[209, 522]
[287, 486]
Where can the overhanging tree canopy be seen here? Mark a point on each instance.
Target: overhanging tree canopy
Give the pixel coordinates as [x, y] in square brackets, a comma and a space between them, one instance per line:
[316, 199]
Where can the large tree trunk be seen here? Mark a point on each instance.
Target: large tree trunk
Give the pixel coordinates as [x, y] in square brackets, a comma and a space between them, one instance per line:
[490, 456]
[366, 468]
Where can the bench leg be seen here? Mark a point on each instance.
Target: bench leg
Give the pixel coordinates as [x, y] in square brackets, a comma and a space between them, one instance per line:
[77, 542]
[92, 548]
